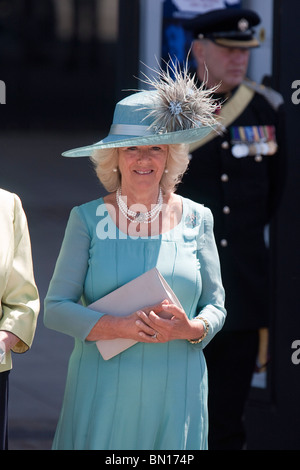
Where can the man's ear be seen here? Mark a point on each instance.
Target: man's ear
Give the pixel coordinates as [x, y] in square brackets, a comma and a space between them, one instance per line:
[198, 52]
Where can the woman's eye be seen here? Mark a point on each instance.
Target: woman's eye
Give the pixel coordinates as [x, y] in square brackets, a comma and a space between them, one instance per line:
[153, 149]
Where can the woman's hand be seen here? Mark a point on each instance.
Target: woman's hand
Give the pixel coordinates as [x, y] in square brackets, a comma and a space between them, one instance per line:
[111, 327]
[177, 326]
[156, 324]
[8, 339]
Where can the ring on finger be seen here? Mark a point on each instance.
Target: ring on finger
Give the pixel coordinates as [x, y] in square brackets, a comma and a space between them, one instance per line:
[154, 336]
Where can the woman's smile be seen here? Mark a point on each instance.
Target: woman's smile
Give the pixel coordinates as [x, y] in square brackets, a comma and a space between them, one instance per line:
[143, 172]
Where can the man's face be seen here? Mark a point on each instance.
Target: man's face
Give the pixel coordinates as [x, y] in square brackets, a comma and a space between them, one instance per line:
[225, 65]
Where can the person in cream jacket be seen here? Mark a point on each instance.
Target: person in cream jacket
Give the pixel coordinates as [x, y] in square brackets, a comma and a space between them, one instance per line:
[19, 298]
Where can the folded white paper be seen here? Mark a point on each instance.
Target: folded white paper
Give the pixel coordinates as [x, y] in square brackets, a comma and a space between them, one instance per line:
[146, 290]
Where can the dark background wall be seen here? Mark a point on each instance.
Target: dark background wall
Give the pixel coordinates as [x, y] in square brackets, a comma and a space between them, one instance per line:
[63, 68]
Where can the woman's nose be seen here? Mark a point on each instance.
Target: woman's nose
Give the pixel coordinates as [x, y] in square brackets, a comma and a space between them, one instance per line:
[143, 154]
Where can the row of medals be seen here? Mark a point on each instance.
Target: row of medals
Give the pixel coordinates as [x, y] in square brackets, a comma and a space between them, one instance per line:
[257, 149]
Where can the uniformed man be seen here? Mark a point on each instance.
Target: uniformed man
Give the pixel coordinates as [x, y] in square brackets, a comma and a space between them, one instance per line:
[238, 173]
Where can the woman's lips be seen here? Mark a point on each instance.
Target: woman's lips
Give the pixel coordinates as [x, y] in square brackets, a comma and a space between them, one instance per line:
[143, 172]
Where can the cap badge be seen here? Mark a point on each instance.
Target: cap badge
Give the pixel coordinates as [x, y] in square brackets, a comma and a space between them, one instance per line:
[243, 25]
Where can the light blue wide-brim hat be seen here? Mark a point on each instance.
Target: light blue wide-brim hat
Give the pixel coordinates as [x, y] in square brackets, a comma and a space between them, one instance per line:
[176, 112]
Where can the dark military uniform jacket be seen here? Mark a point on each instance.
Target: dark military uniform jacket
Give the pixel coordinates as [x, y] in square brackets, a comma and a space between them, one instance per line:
[239, 175]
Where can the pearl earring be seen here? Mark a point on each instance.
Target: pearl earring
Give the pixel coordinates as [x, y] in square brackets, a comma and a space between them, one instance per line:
[166, 170]
[115, 170]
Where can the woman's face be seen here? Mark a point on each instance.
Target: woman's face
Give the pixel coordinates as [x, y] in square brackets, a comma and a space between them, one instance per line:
[142, 167]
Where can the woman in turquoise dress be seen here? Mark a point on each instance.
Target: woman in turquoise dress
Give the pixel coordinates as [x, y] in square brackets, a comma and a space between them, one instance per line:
[153, 395]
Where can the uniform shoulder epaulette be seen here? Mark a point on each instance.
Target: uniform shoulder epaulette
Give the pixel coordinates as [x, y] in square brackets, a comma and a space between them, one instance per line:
[274, 98]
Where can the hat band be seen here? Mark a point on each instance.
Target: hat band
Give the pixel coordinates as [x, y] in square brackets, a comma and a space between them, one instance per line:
[248, 34]
[129, 129]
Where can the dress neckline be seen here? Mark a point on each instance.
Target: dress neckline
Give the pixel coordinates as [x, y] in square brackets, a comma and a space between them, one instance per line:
[145, 237]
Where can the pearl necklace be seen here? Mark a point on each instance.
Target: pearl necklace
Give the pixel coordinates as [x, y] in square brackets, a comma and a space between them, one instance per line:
[139, 217]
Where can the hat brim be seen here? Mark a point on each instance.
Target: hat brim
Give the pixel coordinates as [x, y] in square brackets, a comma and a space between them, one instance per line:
[236, 43]
[116, 141]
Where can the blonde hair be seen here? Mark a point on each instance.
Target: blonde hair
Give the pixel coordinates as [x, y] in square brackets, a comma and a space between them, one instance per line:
[106, 162]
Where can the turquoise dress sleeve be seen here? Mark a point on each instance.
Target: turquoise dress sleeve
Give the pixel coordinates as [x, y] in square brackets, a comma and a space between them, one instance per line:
[211, 301]
[63, 312]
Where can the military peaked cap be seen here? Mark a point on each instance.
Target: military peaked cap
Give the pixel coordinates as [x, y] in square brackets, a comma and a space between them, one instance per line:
[229, 27]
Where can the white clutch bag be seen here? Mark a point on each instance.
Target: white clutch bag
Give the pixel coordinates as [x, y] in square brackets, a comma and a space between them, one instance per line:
[146, 290]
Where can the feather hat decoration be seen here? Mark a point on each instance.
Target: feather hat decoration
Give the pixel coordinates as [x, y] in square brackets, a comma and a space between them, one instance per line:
[180, 104]
[175, 111]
